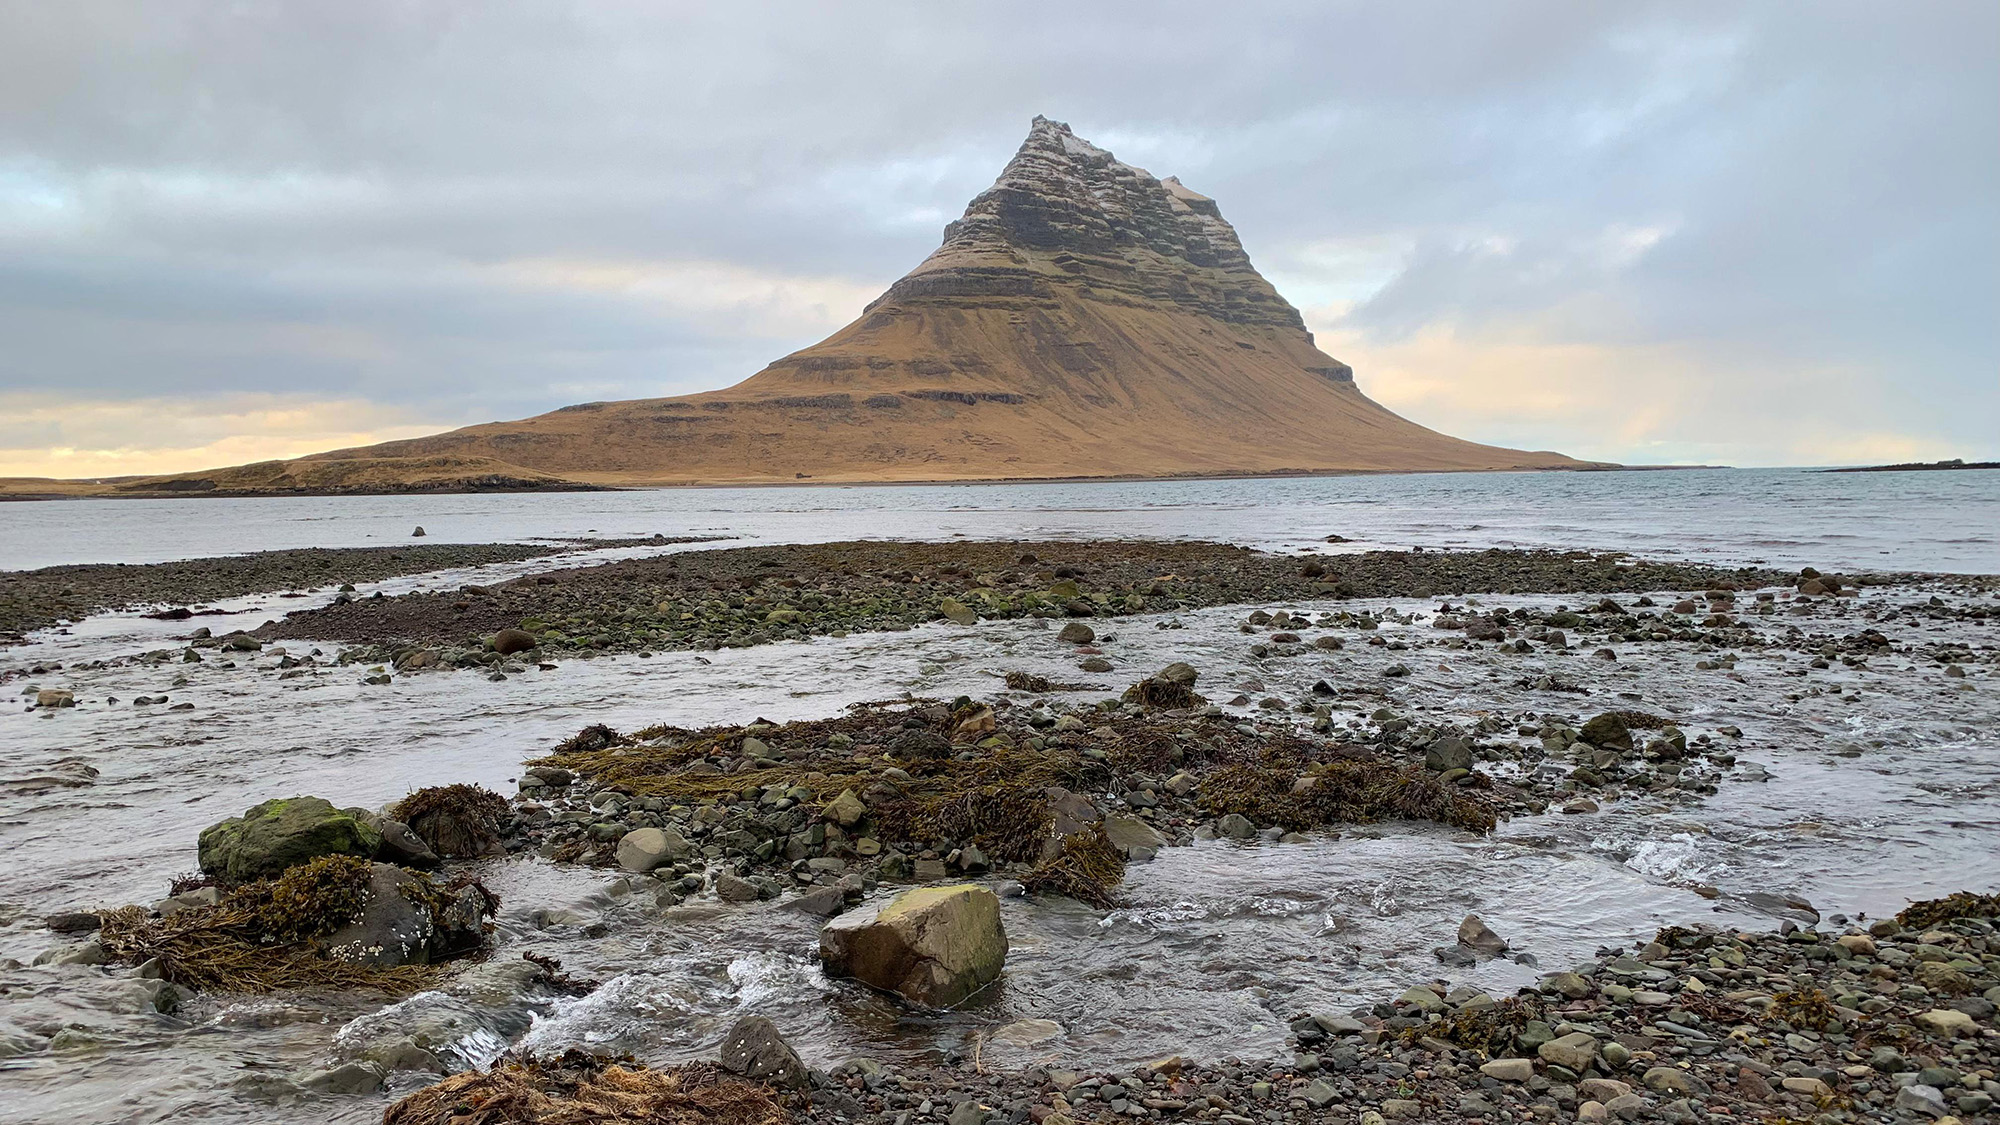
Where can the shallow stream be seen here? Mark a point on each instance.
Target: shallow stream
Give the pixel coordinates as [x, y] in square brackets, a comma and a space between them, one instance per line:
[1885, 790]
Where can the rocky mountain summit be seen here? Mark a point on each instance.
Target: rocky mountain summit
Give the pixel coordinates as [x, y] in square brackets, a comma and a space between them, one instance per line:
[1081, 319]
[1067, 214]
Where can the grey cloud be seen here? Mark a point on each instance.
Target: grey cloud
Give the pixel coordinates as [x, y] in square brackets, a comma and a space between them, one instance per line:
[198, 198]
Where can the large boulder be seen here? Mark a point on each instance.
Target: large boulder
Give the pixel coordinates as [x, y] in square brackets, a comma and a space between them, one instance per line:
[933, 946]
[643, 849]
[278, 834]
[407, 919]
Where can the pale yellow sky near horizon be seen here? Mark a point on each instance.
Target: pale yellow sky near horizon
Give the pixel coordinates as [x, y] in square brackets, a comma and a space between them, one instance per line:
[1620, 405]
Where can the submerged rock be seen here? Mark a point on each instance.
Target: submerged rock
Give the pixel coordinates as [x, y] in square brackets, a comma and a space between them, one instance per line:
[933, 946]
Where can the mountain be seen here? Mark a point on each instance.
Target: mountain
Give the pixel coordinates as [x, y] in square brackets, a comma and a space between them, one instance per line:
[1083, 319]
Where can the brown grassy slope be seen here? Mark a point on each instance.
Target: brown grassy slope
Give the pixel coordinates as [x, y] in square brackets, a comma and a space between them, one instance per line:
[979, 389]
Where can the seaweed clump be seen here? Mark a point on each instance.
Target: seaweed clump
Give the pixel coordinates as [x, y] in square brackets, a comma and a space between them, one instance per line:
[457, 821]
[1491, 1030]
[580, 1089]
[1806, 1007]
[1085, 868]
[1342, 792]
[1961, 904]
[313, 898]
[589, 740]
[1171, 689]
[261, 937]
[1037, 685]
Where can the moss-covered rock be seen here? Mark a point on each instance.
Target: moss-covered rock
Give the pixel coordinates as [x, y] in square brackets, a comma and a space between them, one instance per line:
[279, 834]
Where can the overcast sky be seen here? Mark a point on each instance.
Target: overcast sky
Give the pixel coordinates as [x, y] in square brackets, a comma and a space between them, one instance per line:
[1744, 233]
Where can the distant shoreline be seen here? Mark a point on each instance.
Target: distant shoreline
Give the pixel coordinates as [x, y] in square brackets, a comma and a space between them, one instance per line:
[1917, 467]
[809, 482]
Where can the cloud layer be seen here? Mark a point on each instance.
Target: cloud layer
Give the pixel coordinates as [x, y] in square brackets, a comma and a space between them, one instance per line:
[1761, 234]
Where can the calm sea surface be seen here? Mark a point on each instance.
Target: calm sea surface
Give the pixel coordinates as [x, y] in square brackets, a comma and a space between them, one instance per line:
[1934, 521]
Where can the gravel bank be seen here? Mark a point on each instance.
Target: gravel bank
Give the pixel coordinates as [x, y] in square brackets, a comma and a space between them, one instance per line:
[753, 595]
[37, 599]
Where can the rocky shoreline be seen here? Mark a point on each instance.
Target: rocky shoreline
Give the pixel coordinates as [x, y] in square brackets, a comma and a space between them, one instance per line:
[735, 597]
[1052, 788]
[1889, 1021]
[37, 599]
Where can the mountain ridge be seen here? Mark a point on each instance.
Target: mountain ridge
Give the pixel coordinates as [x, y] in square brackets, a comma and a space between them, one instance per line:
[1081, 319]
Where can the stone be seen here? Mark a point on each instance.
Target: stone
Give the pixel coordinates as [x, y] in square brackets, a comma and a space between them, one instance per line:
[1602, 1089]
[403, 1054]
[360, 1077]
[1422, 999]
[1027, 1033]
[1094, 664]
[1942, 978]
[187, 900]
[1920, 1099]
[846, 810]
[1448, 753]
[1509, 1070]
[1629, 1107]
[644, 849]
[75, 922]
[957, 612]
[1076, 633]
[1947, 1022]
[399, 844]
[1139, 840]
[754, 1049]
[88, 953]
[1474, 933]
[933, 946]
[735, 888]
[275, 835]
[980, 723]
[819, 902]
[1665, 1080]
[1574, 1051]
[1179, 673]
[1236, 826]
[968, 1112]
[395, 928]
[48, 699]
[1573, 986]
[1810, 1087]
[507, 642]
[1607, 731]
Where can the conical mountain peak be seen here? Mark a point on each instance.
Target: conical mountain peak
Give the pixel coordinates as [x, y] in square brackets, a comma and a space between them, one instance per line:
[1081, 319]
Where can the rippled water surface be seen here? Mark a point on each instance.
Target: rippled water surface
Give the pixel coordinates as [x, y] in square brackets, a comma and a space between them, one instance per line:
[1939, 521]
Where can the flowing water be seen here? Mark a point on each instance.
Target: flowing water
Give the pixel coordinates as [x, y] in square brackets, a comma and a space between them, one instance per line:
[1883, 786]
